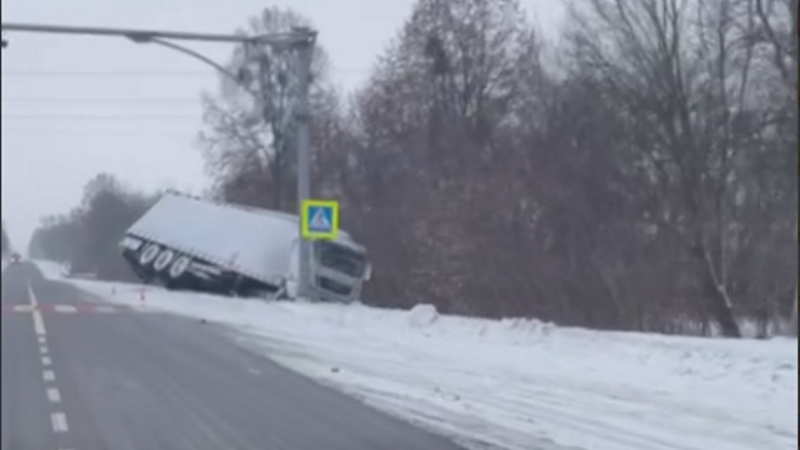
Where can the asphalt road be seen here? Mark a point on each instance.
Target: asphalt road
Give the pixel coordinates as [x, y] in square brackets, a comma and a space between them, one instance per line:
[127, 380]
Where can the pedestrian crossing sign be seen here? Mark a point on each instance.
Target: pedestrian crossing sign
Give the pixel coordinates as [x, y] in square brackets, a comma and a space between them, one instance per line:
[320, 219]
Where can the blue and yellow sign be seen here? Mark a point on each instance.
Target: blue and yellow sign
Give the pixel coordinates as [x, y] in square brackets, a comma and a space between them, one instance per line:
[320, 219]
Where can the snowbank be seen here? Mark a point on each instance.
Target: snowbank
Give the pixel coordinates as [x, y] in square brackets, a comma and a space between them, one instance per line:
[521, 384]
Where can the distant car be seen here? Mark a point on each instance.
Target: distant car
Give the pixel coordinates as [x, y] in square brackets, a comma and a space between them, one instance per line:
[16, 258]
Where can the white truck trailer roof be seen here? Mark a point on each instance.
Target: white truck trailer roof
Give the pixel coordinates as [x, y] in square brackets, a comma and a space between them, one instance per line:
[254, 242]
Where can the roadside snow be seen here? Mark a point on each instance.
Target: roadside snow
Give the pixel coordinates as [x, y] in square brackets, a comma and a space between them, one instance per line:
[519, 384]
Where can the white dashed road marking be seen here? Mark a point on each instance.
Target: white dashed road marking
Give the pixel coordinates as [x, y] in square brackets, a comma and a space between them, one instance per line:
[59, 421]
[53, 395]
[38, 322]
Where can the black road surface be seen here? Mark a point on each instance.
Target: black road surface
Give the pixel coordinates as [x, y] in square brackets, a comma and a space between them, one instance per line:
[130, 380]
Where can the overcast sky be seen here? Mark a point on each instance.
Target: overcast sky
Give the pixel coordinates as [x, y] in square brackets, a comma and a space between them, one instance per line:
[138, 105]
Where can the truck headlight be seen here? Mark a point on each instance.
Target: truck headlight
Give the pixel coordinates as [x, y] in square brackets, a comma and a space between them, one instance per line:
[368, 273]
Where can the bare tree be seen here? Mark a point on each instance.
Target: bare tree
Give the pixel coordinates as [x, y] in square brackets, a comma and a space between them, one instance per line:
[249, 139]
[430, 125]
[685, 75]
[779, 32]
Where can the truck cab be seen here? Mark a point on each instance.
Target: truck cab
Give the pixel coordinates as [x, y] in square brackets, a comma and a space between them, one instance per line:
[338, 270]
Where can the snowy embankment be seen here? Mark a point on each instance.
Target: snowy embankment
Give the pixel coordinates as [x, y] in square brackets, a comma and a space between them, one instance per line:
[516, 384]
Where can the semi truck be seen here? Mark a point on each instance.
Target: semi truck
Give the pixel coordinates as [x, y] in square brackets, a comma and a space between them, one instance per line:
[189, 243]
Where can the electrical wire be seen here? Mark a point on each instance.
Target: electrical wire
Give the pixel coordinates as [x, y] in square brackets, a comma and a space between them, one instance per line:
[138, 131]
[39, 73]
[100, 117]
[72, 100]
[141, 73]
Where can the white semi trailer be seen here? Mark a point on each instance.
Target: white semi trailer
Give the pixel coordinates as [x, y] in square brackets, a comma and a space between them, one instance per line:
[185, 242]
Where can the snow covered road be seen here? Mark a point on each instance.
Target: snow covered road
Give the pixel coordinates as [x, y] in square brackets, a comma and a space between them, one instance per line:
[517, 384]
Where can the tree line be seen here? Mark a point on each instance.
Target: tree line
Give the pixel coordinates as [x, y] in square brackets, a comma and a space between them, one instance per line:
[637, 173]
[88, 236]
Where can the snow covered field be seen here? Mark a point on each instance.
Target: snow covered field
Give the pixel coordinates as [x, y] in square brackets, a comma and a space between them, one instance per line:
[516, 384]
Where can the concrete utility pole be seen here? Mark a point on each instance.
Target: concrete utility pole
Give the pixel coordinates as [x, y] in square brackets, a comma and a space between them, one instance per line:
[304, 169]
[301, 41]
[793, 324]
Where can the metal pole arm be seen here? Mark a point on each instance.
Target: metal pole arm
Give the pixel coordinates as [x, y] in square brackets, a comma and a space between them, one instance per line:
[199, 56]
[298, 36]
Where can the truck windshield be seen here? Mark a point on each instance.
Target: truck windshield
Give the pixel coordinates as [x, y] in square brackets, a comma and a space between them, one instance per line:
[341, 259]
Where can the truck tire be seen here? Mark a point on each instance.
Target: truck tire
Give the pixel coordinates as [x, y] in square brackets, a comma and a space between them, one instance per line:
[179, 267]
[163, 261]
[149, 254]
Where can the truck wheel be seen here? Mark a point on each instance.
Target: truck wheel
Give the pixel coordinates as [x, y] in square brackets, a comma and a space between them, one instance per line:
[179, 267]
[163, 260]
[149, 254]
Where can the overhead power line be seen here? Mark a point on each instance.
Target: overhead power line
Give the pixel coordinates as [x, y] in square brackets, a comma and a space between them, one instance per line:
[100, 117]
[140, 73]
[72, 100]
[95, 132]
[37, 73]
